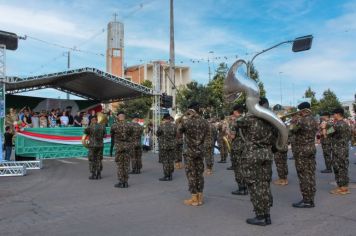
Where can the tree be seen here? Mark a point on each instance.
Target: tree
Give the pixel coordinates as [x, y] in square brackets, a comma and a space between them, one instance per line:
[139, 106]
[329, 101]
[309, 93]
[255, 76]
[193, 92]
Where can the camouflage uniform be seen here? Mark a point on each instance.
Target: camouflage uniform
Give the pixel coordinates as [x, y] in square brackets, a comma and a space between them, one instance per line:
[96, 134]
[304, 130]
[326, 146]
[280, 158]
[136, 155]
[257, 158]
[122, 132]
[222, 131]
[236, 154]
[209, 144]
[195, 131]
[179, 149]
[167, 143]
[340, 137]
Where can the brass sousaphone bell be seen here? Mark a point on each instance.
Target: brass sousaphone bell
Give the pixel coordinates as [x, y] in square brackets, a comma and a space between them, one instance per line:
[102, 119]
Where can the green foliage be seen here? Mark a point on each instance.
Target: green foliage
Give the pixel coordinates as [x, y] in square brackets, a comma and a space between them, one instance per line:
[211, 96]
[140, 106]
[309, 93]
[329, 101]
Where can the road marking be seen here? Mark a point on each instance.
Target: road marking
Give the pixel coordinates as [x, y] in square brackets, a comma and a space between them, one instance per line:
[67, 162]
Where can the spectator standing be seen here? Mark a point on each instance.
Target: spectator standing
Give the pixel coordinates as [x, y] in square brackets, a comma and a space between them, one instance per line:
[35, 120]
[43, 120]
[8, 143]
[64, 119]
[92, 114]
[52, 119]
[27, 118]
[78, 120]
[85, 120]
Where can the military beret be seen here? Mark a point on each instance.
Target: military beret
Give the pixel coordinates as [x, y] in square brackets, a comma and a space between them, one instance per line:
[263, 101]
[339, 110]
[194, 105]
[324, 113]
[166, 116]
[304, 105]
[238, 108]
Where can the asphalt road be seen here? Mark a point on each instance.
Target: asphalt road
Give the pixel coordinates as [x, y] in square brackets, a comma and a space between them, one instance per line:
[60, 200]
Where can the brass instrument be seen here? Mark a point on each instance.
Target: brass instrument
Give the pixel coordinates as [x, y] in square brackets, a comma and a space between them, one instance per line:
[102, 119]
[227, 143]
[295, 114]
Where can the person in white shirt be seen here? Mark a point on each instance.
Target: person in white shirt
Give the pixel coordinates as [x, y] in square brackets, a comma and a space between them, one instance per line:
[64, 119]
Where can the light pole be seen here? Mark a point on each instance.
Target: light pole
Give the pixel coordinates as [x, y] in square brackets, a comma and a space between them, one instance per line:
[210, 52]
[280, 86]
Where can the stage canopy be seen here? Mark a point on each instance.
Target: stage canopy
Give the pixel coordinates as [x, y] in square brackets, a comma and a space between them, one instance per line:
[88, 83]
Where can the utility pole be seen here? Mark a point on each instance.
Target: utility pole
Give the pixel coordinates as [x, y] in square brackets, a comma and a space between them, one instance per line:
[280, 86]
[171, 53]
[68, 67]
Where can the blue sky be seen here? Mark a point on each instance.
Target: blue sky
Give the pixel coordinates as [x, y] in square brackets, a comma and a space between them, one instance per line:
[229, 28]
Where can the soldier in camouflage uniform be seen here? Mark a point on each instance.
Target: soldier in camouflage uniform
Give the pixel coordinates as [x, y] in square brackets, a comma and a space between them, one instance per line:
[340, 134]
[326, 141]
[222, 133]
[257, 157]
[96, 133]
[304, 129]
[167, 134]
[122, 132]
[236, 151]
[209, 150]
[280, 158]
[136, 156]
[195, 129]
[179, 148]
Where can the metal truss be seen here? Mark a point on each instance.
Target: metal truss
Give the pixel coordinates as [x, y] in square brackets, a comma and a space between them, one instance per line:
[2, 62]
[12, 171]
[30, 165]
[156, 103]
[107, 76]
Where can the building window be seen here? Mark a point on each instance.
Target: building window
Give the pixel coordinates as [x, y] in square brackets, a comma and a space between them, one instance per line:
[116, 53]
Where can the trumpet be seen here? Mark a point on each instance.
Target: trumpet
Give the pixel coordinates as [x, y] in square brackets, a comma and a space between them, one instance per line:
[295, 114]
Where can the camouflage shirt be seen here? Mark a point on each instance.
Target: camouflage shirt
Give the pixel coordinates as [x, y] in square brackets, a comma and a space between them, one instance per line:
[340, 133]
[259, 136]
[195, 130]
[122, 132]
[304, 131]
[167, 134]
[237, 141]
[326, 140]
[137, 130]
[96, 134]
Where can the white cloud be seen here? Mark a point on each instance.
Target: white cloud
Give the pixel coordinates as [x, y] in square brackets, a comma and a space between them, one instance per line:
[26, 21]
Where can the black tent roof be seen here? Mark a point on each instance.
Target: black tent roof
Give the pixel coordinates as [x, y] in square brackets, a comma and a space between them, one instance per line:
[89, 83]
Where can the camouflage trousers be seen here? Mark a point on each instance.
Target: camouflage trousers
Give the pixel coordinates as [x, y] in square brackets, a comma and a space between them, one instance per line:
[95, 157]
[179, 153]
[167, 159]
[136, 158]
[340, 165]
[258, 174]
[327, 155]
[122, 159]
[305, 165]
[209, 157]
[223, 150]
[194, 168]
[236, 162]
[280, 158]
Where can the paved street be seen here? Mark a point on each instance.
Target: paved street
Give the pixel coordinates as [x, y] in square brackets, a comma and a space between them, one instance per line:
[60, 200]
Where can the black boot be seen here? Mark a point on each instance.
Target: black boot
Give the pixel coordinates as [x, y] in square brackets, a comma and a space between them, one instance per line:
[138, 171]
[268, 219]
[258, 220]
[92, 176]
[126, 185]
[241, 191]
[304, 204]
[165, 178]
[98, 175]
[230, 168]
[133, 172]
[119, 185]
[326, 171]
[170, 177]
